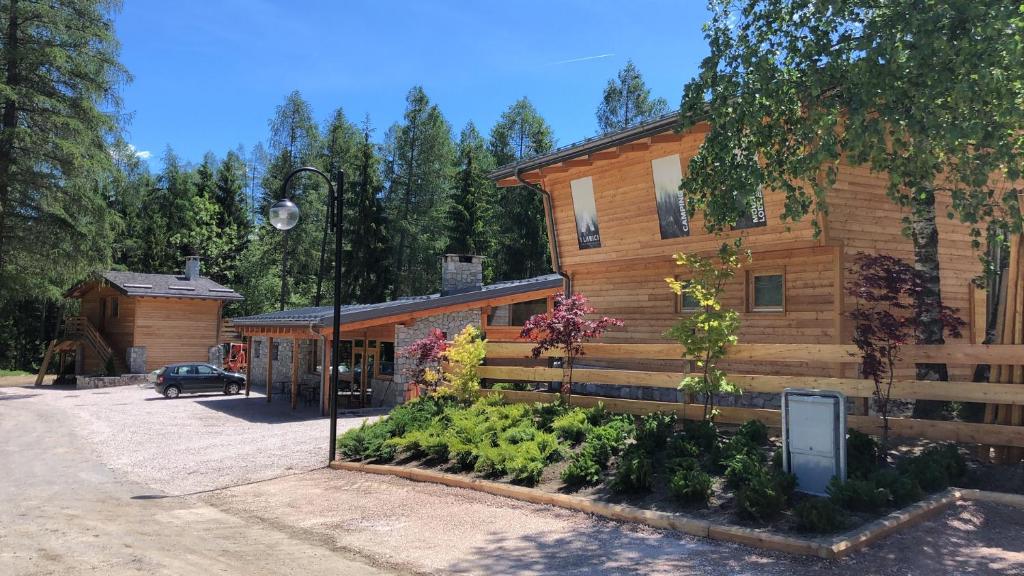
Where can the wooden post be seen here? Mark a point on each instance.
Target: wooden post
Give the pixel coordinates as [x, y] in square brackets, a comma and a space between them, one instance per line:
[270, 366]
[247, 340]
[295, 372]
[46, 362]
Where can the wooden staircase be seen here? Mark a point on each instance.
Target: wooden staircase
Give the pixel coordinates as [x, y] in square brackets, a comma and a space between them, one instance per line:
[78, 329]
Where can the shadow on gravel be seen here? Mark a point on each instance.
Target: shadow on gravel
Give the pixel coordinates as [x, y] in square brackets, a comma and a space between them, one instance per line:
[978, 540]
[16, 396]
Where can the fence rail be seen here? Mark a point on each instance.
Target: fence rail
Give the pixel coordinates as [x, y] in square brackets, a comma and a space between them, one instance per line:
[1002, 434]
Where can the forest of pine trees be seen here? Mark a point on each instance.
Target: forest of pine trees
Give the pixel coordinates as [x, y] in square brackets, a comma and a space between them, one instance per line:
[414, 190]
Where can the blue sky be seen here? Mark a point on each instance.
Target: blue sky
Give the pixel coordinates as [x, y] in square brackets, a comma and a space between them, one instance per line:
[208, 74]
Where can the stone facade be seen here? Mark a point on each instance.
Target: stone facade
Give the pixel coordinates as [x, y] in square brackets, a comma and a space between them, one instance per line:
[451, 324]
[93, 382]
[461, 273]
[283, 362]
[135, 358]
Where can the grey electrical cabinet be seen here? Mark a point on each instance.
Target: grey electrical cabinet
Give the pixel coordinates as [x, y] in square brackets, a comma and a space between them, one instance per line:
[814, 437]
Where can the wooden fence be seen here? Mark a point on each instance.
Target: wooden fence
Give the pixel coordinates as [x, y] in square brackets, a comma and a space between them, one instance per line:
[990, 434]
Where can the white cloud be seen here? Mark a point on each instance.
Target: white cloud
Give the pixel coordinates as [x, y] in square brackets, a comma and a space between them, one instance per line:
[141, 154]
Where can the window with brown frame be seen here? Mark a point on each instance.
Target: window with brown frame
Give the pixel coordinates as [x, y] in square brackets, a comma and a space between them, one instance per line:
[766, 290]
[686, 303]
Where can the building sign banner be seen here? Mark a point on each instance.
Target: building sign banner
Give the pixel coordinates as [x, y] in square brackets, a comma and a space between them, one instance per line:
[755, 217]
[583, 204]
[672, 217]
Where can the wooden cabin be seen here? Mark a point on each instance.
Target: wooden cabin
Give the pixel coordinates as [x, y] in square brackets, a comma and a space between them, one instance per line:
[136, 323]
[616, 217]
[289, 348]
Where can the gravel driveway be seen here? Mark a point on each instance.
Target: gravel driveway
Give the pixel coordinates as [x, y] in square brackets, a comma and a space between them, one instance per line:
[196, 442]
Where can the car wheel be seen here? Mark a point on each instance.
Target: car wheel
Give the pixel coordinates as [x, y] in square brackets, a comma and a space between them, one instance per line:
[172, 392]
[231, 388]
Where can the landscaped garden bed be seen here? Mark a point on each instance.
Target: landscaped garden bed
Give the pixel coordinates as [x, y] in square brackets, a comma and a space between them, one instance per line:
[652, 462]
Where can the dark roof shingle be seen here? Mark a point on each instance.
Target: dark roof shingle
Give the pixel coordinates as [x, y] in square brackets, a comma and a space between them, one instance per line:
[163, 286]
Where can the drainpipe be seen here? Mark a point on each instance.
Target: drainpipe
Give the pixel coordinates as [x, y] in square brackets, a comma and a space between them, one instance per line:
[556, 259]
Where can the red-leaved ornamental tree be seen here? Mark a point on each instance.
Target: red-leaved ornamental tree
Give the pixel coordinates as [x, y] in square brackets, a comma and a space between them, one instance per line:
[886, 318]
[565, 328]
[426, 354]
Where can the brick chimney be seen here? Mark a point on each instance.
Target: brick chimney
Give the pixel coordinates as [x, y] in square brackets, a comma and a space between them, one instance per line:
[461, 273]
[191, 267]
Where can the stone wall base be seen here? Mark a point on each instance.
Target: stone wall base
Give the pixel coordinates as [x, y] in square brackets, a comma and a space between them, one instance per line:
[93, 382]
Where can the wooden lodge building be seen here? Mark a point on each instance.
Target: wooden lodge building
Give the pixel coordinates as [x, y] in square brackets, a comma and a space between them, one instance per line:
[615, 217]
[371, 334]
[135, 323]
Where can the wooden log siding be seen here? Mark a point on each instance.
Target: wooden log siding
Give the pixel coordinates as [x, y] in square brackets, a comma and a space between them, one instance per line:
[1005, 434]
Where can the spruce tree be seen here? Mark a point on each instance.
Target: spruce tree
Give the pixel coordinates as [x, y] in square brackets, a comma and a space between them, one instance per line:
[59, 77]
[367, 266]
[522, 245]
[419, 161]
[472, 197]
[627, 102]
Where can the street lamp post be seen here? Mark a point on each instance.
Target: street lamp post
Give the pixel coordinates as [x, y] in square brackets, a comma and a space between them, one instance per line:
[284, 215]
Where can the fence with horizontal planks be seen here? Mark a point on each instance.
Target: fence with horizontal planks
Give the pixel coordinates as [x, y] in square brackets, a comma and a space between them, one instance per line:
[986, 434]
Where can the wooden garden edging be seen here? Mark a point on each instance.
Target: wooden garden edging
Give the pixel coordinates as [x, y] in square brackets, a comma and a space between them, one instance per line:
[822, 547]
[1007, 433]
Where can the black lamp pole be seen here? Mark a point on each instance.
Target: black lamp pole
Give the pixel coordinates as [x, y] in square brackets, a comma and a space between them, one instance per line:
[335, 210]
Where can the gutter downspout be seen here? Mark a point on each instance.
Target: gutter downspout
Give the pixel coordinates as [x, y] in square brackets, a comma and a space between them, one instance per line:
[556, 259]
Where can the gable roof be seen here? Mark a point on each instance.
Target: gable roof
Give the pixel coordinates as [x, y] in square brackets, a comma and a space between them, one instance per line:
[324, 315]
[158, 285]
[575, 150]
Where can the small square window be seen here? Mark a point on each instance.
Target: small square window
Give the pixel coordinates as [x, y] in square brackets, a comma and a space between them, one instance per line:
[257, 347]
[685, 302]
[275, 351]
[767, 293]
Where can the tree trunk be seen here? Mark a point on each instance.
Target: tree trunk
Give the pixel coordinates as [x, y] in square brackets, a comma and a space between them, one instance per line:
[925, 235]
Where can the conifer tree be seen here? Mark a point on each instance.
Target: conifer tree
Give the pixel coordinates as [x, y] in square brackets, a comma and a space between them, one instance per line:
[419, 161]
[367, 257]
[627, 101]
[472, 197]
[521, 236]
[59, 76]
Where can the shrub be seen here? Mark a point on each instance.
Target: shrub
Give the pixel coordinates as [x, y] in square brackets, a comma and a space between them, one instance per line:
[606, 441]
[738, 445]
[764, 496]
[653, 431]
[679, 446]
[689, 483]
[858, 495]
[777, 459]
[754, 431]
[703, 434]
[599, 415]
[741, 469]
[582, 470]
[352, 443]
[572, 426]
[545, 414]
[819, 515]
[902, 489]
[521, 386]
[633, 473]
[935, 468]
[861, 454]
[465, 354]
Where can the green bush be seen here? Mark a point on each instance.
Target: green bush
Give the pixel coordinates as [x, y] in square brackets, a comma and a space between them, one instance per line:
[653, 431]
[764, 496]
[902, 489]
[352, 443]
[572, 426]
[689, 483]
[819, 515]
[606, 441]
[634, 470]
[935, 468]
[599, 415]
[777, 459]
[738, 445]
[518, 386]
[858, 495]
[742, 468]
[703, 434]
[861, 455]
[545, 413]
[754, 431]
[679, 446]
[582, 470]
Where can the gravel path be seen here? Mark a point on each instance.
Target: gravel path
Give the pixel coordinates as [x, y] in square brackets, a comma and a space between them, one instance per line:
[437, 529]
[196, 442]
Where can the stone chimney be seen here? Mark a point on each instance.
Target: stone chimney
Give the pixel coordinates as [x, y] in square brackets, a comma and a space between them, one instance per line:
[461, 273]
[192, 268]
